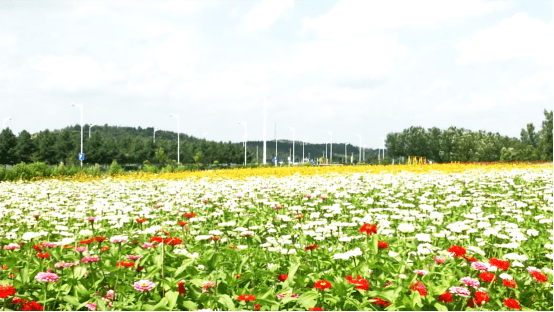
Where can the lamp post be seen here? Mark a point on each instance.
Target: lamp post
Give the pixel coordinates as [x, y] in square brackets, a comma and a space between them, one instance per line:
[245, 134]
[276, 157]
[345, 156]
[89, 129]
[292, 129]
[360, 154]
[81, 107]
[4, 122]
[303, 142]
[178, 139]
[155, 134]
[331, 145]
[383, 147]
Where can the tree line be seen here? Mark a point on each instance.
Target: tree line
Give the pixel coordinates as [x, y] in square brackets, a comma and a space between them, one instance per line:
[459, 144]
[126, 145]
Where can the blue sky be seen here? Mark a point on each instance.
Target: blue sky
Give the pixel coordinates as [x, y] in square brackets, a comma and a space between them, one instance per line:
[349, 67]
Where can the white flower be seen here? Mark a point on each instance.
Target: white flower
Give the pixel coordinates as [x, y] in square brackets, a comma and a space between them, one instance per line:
[402, 276]
[406, 228]
[86, 233]
[201, 267]
[548, 246]
[426, 238]
[532, 232]
[30, 235]
[506, 276]
[392, 254]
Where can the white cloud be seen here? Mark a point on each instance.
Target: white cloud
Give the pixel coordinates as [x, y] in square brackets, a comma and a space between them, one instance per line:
[264, 14]
[515, 37]
[371, 56]
[73, 73]
[437, 84]
[354, 17]
[330, 94]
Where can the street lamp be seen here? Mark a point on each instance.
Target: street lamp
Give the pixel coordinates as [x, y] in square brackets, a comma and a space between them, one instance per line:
[89, 128]
[292, 144]
[81, 107]
[276, 157]
[360, 154]
[4, 122]
[383, 147]
[245, 134]
[155, 134]
[331, 158]
[178, 140]
[303, 142]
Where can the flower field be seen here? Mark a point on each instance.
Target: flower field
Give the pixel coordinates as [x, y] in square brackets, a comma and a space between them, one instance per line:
[436, 237]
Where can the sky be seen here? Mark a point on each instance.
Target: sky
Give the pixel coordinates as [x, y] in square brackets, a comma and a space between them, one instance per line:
[346, 67]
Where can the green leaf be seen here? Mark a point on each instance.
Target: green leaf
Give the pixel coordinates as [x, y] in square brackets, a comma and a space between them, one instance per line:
[182, 268]
[172, 297]
[161, 306]
[190, 305]
[440, 307]
[290, 277]
[308, 299]
[227, 302]
[71, 300]
[374, 244]
[25, 274]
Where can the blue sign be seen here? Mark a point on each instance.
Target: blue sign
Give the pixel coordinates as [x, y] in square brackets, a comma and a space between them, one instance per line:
[81, 156]
[275, 158]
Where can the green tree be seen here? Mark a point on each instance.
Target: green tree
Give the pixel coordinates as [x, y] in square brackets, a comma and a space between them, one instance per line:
[545, 143]
[46, 147]
[25, 147]
[8, 142]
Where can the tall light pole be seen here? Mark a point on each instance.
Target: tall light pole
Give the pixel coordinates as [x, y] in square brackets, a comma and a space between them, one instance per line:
[360, 154]
[81, 107]
[276, 157]
[178, 139]
[292, 129]
[265, 125]
[155, 134]
[331, 158]
[383, 147]
[90, 128]
[245, 134]
[4, 122]
[303, 142]
[345, 156]
[204, 135]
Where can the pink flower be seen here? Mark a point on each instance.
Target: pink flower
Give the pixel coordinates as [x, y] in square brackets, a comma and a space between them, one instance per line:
[143, 285]
[464, 292]
[47, 277]
[63, 264]
[80, 249]
[11, 246]
[119, 239]
[470, 282]
[91, 219]
[90, 259]
[131, 257]
[439, 260]
[110, 295]
[50, 245]
[91, 306]
[421, 272]
[147, 245]
[206, 285]
[533, 269]
[480, 266]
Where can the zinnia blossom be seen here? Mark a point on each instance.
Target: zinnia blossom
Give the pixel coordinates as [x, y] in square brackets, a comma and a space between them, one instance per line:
[315, 309]
[509, 283]
[446, 297]
[91, 306]
[43, 255]
[147, 245]
[460, 291]
[181, 287]
[539, 276]
[480, 266]
[6, 291]
[321, 284]
[501, 265]
[11, 246]
[207, 285]
[369, 229]
[282, 277]
[381, 302]
[419, 287]
[439, 260]
[480, 298]
[382, 245]
[458, 251]
[125, 264]
[361, 283]
[47, 277]
[246, 298]
[487, 277]
[470, 282]
[512, 304]
[421, 272]
[132, 257]
[32, 306]
[143, 285]
[90, 259]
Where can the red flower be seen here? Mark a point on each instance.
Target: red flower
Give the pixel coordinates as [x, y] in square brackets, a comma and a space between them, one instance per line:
[238, 276]
[246, 298]
[182, 223]
[420, 288]
[17, 300]
[257, 307]
[381, 302]
[282, 277]
[172, 241]
[446, 297]
[156, 239]
[362, 283]
[501, 265]
[125, 264]
[481, 297]
[32, 306]
[37, 247]
[512, 304]
[457, 250]
[105, 248]
[470, 259]
[369, 229]
[382, 245]
[321, 284]
[6, 291]
[189, 215]
[315, 309]
[139, 268]
[87, 241]
[539, 276]
[509, 283]
[141, 220]
[181, 288]
[99, 239]
[43, 255]
[487, 277]
[311, 247]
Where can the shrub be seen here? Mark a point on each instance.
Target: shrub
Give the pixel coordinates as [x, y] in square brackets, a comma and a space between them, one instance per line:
[115, 168]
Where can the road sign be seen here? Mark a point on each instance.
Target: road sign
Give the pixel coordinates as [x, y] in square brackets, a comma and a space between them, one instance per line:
[275, 158]
[81, 156]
